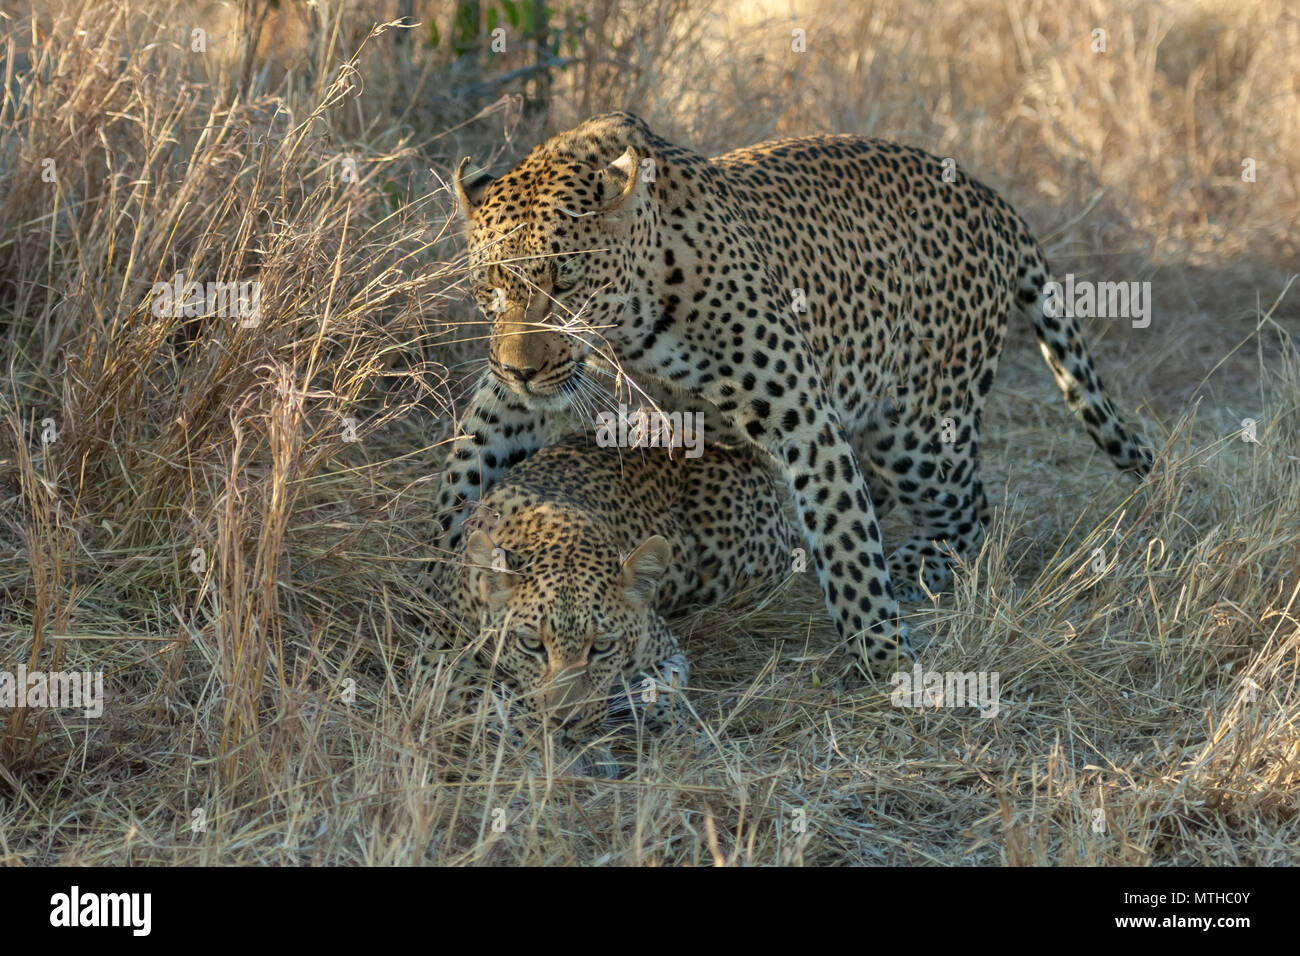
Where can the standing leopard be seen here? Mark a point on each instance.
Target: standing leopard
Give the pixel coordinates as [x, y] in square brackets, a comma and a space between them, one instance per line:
[575, 558]
[803, 291]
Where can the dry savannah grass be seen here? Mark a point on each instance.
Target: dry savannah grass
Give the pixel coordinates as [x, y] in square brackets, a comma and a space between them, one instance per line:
[232, 521]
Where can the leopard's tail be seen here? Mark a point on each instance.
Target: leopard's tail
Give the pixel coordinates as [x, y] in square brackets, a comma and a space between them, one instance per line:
[1063, 346]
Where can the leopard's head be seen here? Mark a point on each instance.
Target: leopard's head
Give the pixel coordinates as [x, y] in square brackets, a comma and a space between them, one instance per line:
[560, 257]
[562, 615]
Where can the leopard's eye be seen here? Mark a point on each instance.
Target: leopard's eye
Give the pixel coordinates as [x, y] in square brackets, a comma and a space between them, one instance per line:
[568, 274]
[604, 644]
[529, 640]
[491, 300]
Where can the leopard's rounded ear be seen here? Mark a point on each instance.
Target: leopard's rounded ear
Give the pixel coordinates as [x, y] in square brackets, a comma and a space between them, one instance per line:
[644, 567]
[469, 193]
[619, 180]
[489, 573]
[479, 548]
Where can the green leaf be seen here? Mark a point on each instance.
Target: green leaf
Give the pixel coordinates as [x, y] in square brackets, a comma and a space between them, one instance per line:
[394, 193]
[434, 36]
[465, 29]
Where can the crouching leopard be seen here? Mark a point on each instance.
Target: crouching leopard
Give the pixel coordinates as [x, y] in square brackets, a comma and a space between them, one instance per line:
[804, 291]
[567, 570]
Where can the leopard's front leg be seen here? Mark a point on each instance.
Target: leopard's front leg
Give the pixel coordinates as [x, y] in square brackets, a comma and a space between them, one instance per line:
[794, 423]
[497, 430]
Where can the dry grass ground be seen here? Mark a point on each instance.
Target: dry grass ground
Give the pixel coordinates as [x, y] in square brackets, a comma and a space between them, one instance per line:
[203, 531]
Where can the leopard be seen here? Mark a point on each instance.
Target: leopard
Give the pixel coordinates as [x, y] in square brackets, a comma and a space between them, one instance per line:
[568, 573]
[814, 295]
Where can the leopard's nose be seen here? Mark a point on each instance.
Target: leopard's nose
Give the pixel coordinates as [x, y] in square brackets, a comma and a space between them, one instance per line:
[520, 375]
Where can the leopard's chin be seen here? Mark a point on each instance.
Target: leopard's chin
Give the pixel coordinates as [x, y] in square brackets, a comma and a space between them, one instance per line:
[543, 401]
[551, 395]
